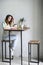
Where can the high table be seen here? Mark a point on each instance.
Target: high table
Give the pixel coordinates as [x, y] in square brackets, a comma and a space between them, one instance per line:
[18, 30]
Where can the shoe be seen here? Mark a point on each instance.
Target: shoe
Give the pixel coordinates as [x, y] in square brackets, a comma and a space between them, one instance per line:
[12, 57]
[12, 54]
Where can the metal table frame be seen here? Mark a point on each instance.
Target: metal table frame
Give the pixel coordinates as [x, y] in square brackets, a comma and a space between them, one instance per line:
[9, 46]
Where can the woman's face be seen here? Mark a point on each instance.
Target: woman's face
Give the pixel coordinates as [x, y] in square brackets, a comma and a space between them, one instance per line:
[9, 18]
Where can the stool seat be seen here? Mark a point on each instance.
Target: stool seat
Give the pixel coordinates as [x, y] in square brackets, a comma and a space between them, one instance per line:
[34, 41]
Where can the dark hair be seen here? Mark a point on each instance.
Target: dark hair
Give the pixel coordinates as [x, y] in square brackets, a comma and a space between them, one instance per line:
[6, 19]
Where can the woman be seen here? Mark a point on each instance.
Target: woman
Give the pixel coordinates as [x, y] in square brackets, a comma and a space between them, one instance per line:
[8, 23]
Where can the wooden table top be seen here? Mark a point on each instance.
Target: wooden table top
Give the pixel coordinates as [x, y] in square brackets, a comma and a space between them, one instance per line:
[16, 29]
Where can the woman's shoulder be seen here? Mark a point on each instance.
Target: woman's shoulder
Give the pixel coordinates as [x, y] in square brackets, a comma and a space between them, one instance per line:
[4, 24]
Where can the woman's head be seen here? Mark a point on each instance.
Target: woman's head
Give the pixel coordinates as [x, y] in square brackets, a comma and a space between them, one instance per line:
[9, 19]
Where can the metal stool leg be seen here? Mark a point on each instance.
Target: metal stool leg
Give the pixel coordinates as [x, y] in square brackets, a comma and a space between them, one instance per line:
[2, 51]
[5, 50]
[38, 54]
[29, 53]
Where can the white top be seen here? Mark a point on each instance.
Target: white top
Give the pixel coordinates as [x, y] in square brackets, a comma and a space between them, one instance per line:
[6, 33]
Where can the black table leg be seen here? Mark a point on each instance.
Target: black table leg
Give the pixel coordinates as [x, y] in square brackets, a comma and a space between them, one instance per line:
[21, 48]
[9, 49]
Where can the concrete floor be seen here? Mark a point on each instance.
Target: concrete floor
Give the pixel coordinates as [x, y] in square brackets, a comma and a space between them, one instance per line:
[17, 61]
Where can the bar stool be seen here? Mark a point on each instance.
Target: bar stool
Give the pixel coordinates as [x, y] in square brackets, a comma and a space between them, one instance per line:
[4, 41]
[33, 42]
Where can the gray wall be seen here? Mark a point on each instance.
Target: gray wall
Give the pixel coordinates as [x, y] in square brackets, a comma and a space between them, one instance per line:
[31, 10]
[38, 24]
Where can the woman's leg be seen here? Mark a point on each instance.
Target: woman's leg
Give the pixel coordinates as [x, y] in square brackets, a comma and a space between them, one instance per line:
[15, 43]
[12, 37]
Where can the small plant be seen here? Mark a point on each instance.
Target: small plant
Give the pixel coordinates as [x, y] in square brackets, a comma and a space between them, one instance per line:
[21, 21]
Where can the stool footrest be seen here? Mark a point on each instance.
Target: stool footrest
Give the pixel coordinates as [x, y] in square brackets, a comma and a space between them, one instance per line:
[6, 40]
[33, 62]
[9, 58]
[6, 61]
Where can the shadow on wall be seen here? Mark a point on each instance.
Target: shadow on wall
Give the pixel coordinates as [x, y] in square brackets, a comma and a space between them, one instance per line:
[1, 33]
[1, 30]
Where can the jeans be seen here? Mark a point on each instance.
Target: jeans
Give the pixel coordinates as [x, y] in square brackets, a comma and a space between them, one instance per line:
[12, 37]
